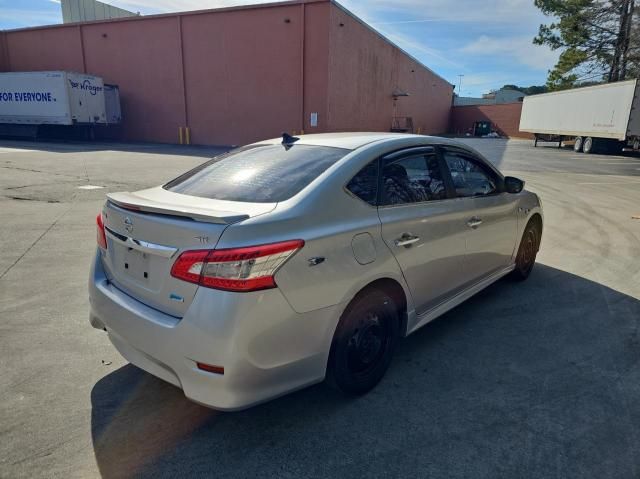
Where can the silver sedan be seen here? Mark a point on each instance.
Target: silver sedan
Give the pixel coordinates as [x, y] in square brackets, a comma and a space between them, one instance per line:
[292, 260]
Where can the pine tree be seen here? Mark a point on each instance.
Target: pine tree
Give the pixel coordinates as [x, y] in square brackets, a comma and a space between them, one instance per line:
[598, 38]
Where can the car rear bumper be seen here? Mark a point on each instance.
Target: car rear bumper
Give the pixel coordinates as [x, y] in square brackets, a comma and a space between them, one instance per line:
[265, 347]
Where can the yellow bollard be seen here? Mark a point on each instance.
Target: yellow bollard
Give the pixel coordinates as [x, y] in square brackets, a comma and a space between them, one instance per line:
[180, 140]
[187, 135]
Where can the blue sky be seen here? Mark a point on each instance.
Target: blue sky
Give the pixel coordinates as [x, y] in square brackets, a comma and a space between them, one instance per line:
[488, 42]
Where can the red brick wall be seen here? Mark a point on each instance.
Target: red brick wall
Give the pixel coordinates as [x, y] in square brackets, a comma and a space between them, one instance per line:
[4, 61]
[365, 69]
[505, 119]
[241, 74]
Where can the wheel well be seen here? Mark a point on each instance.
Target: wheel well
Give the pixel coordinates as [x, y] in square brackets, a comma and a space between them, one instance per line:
[395, 290]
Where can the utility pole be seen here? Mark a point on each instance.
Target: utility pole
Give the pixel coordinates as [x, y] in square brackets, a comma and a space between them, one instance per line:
[460, 84]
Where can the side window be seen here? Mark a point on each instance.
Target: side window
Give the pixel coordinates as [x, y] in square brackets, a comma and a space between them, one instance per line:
[412, 179]
[469, 179]
[365, 184]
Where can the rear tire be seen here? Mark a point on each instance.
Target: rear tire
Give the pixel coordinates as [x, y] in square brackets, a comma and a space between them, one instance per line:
[577, 145]
[587, 145]
[363, 343]
[526, 258]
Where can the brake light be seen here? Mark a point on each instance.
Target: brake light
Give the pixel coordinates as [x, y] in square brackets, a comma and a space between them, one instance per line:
[237, 269]
[102, 237]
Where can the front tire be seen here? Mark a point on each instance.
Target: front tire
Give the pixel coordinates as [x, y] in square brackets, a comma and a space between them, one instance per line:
[527, 252]
[363, 343]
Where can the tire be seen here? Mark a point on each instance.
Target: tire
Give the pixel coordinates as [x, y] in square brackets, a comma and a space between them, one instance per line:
[636, 144]
[363, 343]
[577, 146]
[527, 251]
[587, 145]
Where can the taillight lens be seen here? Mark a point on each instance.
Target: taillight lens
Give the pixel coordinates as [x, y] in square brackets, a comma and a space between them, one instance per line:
[238, 269]
[102, 237]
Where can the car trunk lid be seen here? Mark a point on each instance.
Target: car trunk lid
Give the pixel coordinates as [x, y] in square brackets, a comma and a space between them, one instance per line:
[146, 232]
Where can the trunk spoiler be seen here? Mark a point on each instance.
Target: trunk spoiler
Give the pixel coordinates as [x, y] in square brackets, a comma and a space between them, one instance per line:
[135, 202]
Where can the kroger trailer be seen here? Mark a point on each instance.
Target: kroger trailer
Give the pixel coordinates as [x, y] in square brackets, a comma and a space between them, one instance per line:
[602, 118]
[35, 102]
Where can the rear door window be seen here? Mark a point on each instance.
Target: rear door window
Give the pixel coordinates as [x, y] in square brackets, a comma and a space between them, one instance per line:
[413, 179]
[258, 174]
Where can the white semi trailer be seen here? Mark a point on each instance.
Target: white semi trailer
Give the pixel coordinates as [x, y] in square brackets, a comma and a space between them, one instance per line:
[602, 118]
[32, 102]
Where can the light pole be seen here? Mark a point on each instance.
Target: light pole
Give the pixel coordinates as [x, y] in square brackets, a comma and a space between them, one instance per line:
[460, 84]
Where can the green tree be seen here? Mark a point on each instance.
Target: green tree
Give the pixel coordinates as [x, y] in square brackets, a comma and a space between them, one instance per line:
[598, 39]
[527, 90]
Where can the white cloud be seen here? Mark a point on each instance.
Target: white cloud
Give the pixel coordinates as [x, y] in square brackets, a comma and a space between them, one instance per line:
[489, 11]
[18, 18]
[417, 48]
[520, 49]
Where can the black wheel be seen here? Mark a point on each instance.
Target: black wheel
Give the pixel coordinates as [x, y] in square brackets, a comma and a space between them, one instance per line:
[577, 146]
[527, 252]
[636, 144]
[587, 145]
[363, 343]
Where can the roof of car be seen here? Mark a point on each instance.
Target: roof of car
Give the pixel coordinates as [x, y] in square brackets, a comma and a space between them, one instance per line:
[353, 140]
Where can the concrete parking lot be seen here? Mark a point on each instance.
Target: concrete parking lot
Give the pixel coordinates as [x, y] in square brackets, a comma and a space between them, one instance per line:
[538, 379]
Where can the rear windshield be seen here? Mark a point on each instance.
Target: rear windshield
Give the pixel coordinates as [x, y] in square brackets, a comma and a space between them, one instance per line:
[257, 174]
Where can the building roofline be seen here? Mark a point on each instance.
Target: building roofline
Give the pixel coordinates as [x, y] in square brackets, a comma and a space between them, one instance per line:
[139, 18]
[387, 40]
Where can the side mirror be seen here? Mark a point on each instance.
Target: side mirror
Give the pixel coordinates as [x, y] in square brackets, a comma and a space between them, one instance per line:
[513, 185]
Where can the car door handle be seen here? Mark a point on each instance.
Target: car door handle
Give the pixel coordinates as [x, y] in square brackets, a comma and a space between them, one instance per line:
[407, 239]
[474, 222]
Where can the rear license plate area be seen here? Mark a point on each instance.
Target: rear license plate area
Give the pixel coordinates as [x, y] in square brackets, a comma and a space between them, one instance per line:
[135, 265]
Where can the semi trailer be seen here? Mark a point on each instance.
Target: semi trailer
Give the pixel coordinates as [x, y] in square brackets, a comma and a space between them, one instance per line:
[33, 103]
[598, 119]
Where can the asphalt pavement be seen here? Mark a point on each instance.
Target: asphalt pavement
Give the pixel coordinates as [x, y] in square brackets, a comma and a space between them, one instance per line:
[539, 379]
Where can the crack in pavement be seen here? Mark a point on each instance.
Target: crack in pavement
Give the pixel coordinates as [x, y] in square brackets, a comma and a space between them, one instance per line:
[38, 238]
[42, 171]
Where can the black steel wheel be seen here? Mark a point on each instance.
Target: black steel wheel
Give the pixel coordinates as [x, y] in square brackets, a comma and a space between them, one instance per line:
[363, 343]
[527, 252]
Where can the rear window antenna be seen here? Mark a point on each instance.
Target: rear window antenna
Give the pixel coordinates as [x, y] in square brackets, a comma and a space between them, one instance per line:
[288, 140]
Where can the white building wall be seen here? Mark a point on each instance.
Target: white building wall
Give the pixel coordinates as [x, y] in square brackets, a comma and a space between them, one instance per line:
[89, 10]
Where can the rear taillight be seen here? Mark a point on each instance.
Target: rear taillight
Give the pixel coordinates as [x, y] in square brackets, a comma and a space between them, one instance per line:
[102, 237]
[238, 269]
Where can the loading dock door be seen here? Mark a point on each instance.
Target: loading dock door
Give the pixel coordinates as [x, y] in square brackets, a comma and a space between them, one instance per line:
[481, 128]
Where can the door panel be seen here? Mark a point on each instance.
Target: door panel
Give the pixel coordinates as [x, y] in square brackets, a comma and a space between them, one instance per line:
[422, 226]
[492, 226]
[433, 266]
[490, 245]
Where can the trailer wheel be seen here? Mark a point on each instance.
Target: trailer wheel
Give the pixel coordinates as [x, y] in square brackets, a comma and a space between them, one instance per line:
[587, 145]
[577, 145]
[636, 144]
